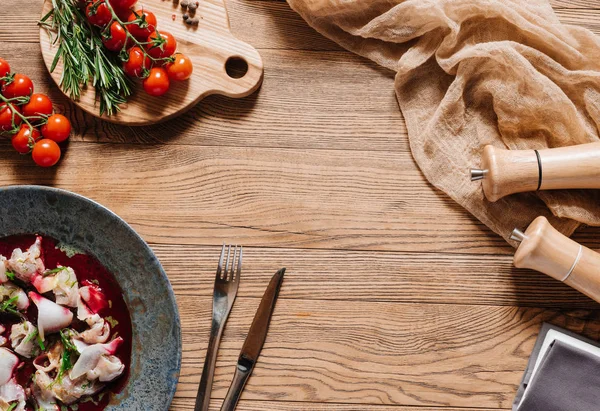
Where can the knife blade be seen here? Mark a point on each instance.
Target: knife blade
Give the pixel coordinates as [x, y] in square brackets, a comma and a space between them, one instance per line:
[254, 342]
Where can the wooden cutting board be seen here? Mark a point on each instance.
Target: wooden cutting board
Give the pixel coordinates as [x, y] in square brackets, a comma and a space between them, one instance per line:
[212, 49]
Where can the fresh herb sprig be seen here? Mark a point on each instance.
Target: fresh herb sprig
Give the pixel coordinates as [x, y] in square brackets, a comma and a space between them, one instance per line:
[70, 350]
[84, 57]
[10, 306]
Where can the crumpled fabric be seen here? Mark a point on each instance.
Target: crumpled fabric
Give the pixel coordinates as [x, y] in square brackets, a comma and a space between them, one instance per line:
[477, 72]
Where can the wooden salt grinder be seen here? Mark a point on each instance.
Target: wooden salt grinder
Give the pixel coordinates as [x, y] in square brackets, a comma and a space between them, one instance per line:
[507, 172]
[546, 250]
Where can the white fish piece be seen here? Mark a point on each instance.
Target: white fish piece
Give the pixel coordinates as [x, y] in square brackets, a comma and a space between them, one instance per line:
[11, 392]
[98, 332]
[9, 290]
[42, 391]
[23, 339]
[90, 357]
[8, 363]
[62, 282]
[3, 340]
[109, 368]
[51, 316]
[26, 264]
[3, 269]
[50, 360]
[83, 311]
[66, 390]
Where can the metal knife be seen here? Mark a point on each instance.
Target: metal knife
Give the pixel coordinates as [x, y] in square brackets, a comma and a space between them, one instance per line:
[254, 342]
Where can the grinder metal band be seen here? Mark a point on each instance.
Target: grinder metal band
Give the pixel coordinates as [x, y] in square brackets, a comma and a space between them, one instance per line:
[539, 160]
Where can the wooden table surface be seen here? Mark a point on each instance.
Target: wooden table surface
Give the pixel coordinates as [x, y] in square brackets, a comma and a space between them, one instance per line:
[395, 297]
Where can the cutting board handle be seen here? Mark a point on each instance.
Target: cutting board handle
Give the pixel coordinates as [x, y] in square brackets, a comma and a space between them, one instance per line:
[507, 172]
[545, 249]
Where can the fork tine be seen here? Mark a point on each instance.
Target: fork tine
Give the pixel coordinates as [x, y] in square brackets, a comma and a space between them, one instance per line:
[239, 265]
[230, 272]
[227, 263]
[220, 266]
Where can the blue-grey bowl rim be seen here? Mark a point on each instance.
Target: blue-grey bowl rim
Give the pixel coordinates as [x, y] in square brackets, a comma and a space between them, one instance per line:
[127, 227]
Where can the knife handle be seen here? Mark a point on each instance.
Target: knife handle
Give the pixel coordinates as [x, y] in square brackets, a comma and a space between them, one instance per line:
[507, 172]
[242, 373]
[545, 249]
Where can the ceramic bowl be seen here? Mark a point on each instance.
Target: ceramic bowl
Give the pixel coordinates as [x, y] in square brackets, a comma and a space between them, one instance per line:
[90, 227]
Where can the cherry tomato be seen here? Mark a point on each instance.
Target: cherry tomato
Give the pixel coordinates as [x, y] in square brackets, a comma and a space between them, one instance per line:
[99, 16]
[58, 128]
[39, 105]
[117, 39]
[181, 68]
[143, 29]
[122, 4]
[157, 83]
[20, 86]
[5, 69]
[25, 139]
[162, 44]
[6, 117]
[46, 153]
[137, 63]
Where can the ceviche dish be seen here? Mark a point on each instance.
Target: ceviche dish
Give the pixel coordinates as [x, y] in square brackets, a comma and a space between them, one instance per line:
[65, 330]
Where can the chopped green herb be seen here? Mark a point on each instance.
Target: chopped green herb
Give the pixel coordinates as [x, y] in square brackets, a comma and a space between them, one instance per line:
[30, 336]
[65, 337]
[41, 342]
[113, 323]
[53, 271]
[10, 306]
[10, 275]
[12, 406]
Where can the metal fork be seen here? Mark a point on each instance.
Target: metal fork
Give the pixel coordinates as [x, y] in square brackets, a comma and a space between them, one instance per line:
[225, 291]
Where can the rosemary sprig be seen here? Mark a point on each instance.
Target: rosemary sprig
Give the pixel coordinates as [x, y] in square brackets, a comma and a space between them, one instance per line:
[84, 57]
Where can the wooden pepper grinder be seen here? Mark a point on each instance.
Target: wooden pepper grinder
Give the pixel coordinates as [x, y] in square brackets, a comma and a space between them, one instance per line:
[507, 172]
[546, 250]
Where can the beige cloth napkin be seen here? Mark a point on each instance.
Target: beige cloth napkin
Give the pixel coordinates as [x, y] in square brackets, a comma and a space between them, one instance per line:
[477, 72]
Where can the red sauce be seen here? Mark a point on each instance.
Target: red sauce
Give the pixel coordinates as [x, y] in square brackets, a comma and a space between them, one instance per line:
[89, 271]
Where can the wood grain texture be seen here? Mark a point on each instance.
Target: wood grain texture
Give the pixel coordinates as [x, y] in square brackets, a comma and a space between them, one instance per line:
[271, 24]
[395, 297]
[185, 404]
[376, 353]
[209, 46]
[269, 197]
[438, 278]
[251, 405]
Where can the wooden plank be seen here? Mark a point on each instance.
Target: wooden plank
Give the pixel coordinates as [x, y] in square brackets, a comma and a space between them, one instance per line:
[250, 405]
[268, 24]
[264, 197]
[338, 114]
[373, 276]
[376, 353]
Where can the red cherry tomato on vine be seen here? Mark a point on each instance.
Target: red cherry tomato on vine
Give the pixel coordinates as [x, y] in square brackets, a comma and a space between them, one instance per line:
[117, 39]
[25, 139]
[6, 117]
[157, 83]
[122, 4]
[21, 86]
[46, 153]
[162, 44]
[5, 69]
[39, 105]
[181, 68]
[141, 30]
[58, 128]
[99, 16]
[137, 63]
